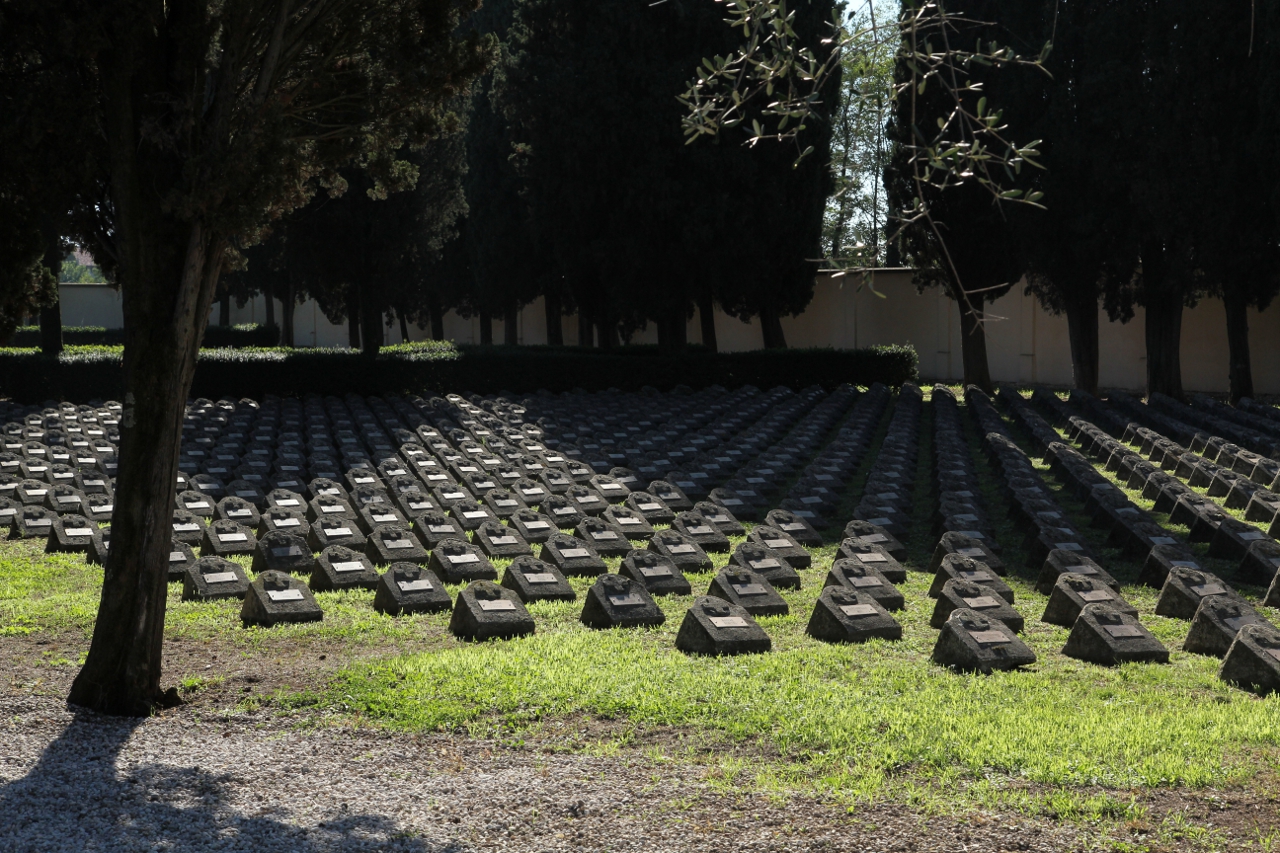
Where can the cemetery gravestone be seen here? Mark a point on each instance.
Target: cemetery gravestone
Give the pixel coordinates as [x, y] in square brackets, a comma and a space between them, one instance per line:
[875, 555]
[964, 546]
[962, 595]
[606, 539]
[750, 591]
[876, 535]
[534, 580]
[970, 641]
[409, 588]
[794, 526]
[1105, 636]
[654, 510]
[1060, 562]
[1184, 588]
[1073, 592]
[432, 528]
[615, 601]
[572, 556]
[213, 578]
[33, 522]
[766, 562]
[485, 611]
[280, 551]
[393, 543]
[1218, 620]
[274, 598]
[713, 626]
[865, 579]
[844, 615]
[339, 567]
[972, 571]
[71, 534]
[458, 561]
[1253, 661]
[658, 574]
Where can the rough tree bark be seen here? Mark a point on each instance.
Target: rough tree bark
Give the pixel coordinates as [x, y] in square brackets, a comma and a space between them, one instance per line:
[353, 318]
[372, 331]
[771, 329]
[555, 327]
[1162, 299]
[287, 309]
[672, 332]
[707, 319]
[973, 347]
[586, 329]
[404, 327]
[271, 307]
[51, 315]
[1240, 364]
[510, 326]
[607, 333]
[1082, 330]
[436, 310]
[486, 329]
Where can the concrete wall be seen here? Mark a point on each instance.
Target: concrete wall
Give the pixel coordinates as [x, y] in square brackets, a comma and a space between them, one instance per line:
[1024, 343]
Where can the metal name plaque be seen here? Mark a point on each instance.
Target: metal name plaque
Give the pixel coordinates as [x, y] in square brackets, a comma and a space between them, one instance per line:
[875, 537]
[989, 638]
[537, 525]
[384, 518]
[77, 531]
[648, 507]
[728, 622]
[540, 577]
[1209, 589]
[858, 610]
[1069, 546]
[1163, 540]
[680, 548]
[290, 551]
[285, 594]
[864, 582]
[655, 571]
[630, 599]
[463, 559]
[397, 544]
[1096, 595]
[287, 522]
[219, 577]
[628, 520]
[503, 540]
[766, 563]
[972, 552]
[492, 604]
[177, 557]
[607, 535]
[440, 528]
[1251, 536]
[575, 553]
[975, 576]
[563, 510]
[1123, 631]
[415, 586]
[352, 566]
[337, 531]
[982, 602]
[749, 589]
[332, 508]
[700, 530]
[1184, 564]
[873, 557]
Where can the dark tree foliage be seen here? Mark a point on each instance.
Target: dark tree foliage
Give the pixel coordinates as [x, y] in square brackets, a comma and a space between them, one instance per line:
[965, 243]
[182, 129]
[637, 225]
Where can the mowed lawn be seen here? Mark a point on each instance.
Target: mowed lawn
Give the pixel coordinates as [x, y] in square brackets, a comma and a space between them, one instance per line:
[854, 722]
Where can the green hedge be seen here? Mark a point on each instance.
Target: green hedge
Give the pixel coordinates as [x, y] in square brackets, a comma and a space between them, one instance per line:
[83, 373]
[241, 335]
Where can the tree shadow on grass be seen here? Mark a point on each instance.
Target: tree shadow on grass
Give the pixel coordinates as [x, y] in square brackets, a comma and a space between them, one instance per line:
[76, 799]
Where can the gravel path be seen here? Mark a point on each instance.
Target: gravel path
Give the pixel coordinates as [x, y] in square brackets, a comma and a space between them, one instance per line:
[77, 781]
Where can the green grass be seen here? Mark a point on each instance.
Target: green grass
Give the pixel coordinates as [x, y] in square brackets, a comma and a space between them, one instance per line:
[858, 723]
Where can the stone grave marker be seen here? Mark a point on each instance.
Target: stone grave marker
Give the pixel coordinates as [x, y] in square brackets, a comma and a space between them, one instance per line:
[470, 514]
[341, 530]
[238, 510]
[605, 538]
[1041, 541]
[1060, 562]
[964, 546]
[330, 507]
[413, 502]
[222, 538]
[969, 570]
[1260, 563]
[373, 516]
[844, 615]
[1185, 587]
[410, 588]
[766, 562]
[700, 529]
[748, 590]
[865, 578]
[563, 511]
[287, 499]
[555, 481]
[654, 510]
[486, 611]
[714, 626]
[33, 522]
[274, 598]
[181, 556]
[97, 507]
[681, 550]
[394, 543]
[498, 540]
[458, 561]
[284, 520]
[281, 551]
[616, 601]
[632, 524]
[196, 503]
[1105, 636]
[534, 527]
[188, 527]
[793, 525]
[876, 535]
[534, 580]
[1218, 620]
[971, 641]
[673, 498]
[213, 578]
[64, 498]
[71, 534]
[1233, 539]
[327, 486]
[208, 484]
[530, 491]
[434, 527]
[963, 595]
[572, 556]
[659, 574]
[873, 554]
[1253, 661]
[791, 550]
[99, 546]
[339, 567]
[735, 501]
[1161, 560]
[609, 488]
[247, 490]
[586, 500]
[503, 503]
[1073, 592]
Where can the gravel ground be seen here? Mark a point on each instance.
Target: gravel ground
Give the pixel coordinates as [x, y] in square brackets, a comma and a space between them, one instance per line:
[78, 781]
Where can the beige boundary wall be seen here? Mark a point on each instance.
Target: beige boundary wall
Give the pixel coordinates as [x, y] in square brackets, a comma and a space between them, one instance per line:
[1025, 344]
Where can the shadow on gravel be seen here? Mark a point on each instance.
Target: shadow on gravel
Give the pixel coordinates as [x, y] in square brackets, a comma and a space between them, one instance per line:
[76, 799]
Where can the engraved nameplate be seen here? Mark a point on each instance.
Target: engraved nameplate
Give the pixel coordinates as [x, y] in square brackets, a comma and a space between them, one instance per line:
[749, 589]
[858, 610]
[989, 638]
[492, 604]
[463, 559]
[728, 621]
[575, 553]
[415, 586]
[285, 594]
[540, 577]
[982, 602]
[351, 566]
[219, 577]
[1122, 631]
[1096, 595]
[631, 599]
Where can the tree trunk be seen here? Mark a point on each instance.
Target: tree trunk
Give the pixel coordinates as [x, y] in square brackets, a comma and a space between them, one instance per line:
[510, 329]
[1163, 303]
[1241, 365]
[672, 332]
[404, 327]
[167, 294]
[51, 315]
[555, 327]
[707, 319]
[973, 347]
[1082, 330]
[436, 310]
[271, 307]
[771, 329]
[607, 332]
[224, 310]
[372, 331]
[586, 329]
[288, 307]
[353, 317]
[486, 329]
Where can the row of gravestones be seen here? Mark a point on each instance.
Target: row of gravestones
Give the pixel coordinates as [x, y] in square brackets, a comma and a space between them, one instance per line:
[887, 496]
[1217, 613]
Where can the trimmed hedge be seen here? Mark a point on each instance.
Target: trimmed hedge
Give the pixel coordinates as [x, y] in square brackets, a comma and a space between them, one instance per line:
[241, 335]
[440, 367]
